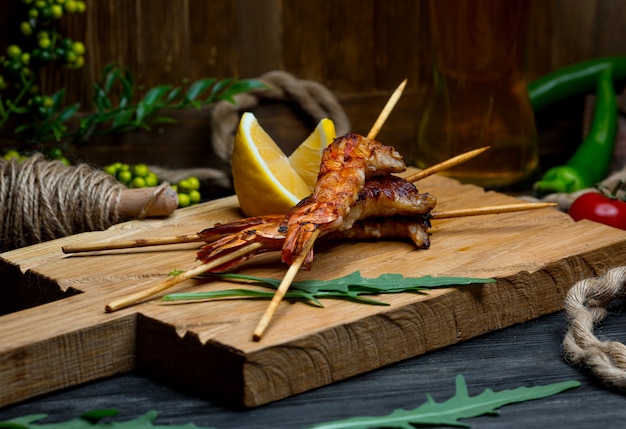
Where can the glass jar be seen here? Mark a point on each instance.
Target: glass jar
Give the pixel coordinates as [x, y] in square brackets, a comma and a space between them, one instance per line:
[479, 96]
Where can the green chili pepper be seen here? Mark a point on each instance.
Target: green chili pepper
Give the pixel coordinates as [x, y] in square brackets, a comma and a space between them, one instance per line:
[590, 163]
[571, 80]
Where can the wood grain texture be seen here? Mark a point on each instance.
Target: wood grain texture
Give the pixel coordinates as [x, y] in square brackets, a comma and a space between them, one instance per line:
[352, 46]
[535, 256]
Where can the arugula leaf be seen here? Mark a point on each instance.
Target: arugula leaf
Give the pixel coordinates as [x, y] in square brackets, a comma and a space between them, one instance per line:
[430, 413]
[92, 419]
[350, 287]
[448, 413]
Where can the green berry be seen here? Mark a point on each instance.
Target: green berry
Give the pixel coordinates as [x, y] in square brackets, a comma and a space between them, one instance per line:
[140, 170]
[138, 182]
[194, 183]
[3, 83]
[184, 185]
[33, 13]
[44, 43]
[25, 58]
[80, 6]
[124, 176]
[194, 196]
[14, 51]
[183, 200]
[26, 28]
[56, 11]
[10, 154]
[151, 179]
[71, 6]
[78, 48]
[110, 169]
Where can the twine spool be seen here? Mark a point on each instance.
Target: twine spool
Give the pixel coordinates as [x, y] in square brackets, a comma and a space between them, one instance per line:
[42, 200]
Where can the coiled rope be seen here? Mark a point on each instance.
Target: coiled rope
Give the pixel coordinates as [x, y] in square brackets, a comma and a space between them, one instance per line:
[586, 304]
[41, 200]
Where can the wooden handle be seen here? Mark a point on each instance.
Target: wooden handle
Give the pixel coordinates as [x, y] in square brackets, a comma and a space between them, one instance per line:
[148, 202]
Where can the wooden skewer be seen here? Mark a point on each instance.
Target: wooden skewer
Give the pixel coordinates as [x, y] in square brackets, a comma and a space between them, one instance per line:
[477, 211]
[297, 264]
[128, 244]
[384, 114]
[282, 288]
[459, 159]
[142, 295]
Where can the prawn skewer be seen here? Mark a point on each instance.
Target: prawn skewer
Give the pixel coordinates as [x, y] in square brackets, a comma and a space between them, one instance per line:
[236, 226]
[376, 227]
[302, 233]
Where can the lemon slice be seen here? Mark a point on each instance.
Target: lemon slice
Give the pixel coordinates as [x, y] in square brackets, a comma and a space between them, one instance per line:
[306, 158]
[264, 180]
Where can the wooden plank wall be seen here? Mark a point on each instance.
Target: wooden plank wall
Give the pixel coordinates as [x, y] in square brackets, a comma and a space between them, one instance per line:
[356, 48]
[351, 46]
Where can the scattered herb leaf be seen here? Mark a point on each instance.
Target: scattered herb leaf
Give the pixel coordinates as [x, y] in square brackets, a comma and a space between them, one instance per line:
[351, 287]
[92, 419]
[448, 413]
[430, 413]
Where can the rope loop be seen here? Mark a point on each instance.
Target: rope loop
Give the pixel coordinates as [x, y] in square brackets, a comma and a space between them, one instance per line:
[587, 304]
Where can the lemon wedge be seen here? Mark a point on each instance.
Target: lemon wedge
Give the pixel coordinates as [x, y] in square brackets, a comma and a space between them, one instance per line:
[306, 158]
[265, 181]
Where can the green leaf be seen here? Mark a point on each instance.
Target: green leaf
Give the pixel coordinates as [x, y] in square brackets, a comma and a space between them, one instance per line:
[350, 287]
[448, 413]
[174, 94]
[92, 420]
[57, 99]
[67, 113]
[122, 119]
[155, 94]
[198, 88]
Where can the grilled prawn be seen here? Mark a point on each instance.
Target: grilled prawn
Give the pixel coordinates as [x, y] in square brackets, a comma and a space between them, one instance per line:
[346, 164]
[386, 207]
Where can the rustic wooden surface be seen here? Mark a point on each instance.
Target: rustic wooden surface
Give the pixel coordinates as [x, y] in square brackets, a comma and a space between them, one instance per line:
[536, 256]
[360, 50]
[351, 46]
[527, 354]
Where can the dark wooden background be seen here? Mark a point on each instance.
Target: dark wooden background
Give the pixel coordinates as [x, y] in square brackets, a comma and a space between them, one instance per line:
[359, 49]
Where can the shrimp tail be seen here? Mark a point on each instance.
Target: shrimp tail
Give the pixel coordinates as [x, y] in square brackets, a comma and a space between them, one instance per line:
[220, 230]
[267, 233]
[295, 242]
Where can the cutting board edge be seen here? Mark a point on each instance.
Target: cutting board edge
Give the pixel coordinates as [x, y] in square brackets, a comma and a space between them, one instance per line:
[259, 374]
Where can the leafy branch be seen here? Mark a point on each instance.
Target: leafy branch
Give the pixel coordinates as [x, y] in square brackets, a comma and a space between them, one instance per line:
[430, 413]
[351, 287]
[118, 111]
[41, 118]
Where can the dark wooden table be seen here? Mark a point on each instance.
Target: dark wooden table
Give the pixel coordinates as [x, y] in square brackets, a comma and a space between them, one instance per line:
[529, 354]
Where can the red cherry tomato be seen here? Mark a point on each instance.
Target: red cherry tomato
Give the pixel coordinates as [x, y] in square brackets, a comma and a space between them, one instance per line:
[599, 208]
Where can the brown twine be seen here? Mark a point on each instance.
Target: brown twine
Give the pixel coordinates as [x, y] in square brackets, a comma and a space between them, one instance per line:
[586, 305]
[42, 200]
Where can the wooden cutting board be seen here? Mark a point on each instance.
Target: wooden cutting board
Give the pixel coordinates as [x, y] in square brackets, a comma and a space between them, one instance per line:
[64, 337]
